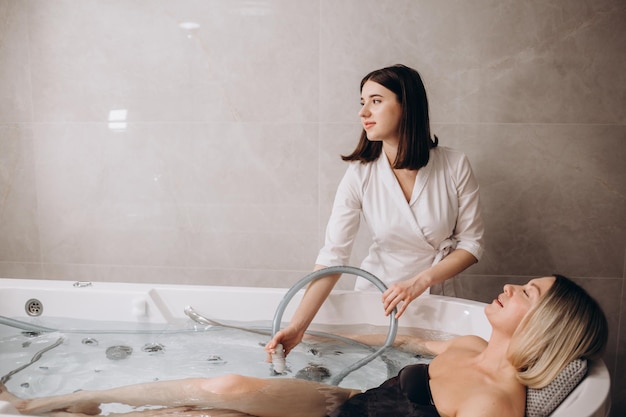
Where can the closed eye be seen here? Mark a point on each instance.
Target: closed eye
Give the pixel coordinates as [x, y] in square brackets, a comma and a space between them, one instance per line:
[531, 291]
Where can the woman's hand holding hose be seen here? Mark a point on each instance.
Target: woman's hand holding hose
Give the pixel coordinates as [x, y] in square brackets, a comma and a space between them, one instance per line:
[289, 337]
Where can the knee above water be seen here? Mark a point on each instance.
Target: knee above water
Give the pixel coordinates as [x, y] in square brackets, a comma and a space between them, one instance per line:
[226, 384]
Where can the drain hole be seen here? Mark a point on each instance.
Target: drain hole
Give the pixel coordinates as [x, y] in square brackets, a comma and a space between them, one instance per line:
[34, 307]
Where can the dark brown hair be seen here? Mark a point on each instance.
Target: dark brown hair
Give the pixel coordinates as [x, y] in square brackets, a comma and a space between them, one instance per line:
[415, 138]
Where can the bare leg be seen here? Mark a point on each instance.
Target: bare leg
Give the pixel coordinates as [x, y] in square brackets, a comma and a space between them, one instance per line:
[5, 395]
[164, 412]
[275, 397]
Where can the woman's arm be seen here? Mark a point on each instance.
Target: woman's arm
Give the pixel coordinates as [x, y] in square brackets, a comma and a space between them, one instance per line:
[406, 343]
[408, 290]
[314, 296]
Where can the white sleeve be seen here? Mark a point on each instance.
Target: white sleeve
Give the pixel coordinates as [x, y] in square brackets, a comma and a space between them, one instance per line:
[344, 220]
[469, 229]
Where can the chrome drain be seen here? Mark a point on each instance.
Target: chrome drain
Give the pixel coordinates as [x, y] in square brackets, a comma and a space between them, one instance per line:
[34, 307]
[118, 352]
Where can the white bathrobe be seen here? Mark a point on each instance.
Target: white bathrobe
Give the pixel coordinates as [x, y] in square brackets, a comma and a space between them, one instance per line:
[408, 237]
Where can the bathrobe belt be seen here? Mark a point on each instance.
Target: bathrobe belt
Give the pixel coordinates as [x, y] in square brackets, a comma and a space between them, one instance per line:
[444, 249]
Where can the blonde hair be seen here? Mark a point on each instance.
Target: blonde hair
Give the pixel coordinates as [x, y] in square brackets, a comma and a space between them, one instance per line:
[566, 324]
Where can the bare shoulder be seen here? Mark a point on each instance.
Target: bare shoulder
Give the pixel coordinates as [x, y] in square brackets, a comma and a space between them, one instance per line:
[469, 342]
[421, 345]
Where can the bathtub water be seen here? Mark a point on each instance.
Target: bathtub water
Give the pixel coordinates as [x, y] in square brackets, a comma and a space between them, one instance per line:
[96, 358]
[94, 355]
[162, 306]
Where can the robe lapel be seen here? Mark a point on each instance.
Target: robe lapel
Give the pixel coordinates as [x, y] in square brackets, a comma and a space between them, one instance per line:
[420, 181]
[391, 182]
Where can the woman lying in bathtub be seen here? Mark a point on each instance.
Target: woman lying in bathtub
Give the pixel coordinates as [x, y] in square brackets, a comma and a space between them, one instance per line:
[538, 328]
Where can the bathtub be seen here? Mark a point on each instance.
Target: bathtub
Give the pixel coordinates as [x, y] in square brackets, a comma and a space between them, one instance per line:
[163, 304]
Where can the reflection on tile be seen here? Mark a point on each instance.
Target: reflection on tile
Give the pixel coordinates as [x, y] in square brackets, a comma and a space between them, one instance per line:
[139, 58]
[145, 196]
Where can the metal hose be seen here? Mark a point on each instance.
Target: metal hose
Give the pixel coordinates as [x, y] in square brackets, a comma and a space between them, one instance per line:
[34, 359]
[393, 325]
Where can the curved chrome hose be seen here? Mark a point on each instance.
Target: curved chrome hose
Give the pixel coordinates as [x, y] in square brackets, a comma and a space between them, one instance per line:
[393, 325]
[198, 318]
[34, 359]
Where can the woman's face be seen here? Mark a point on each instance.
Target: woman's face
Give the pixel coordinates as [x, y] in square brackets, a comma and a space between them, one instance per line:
[380, 112]
[506, 311]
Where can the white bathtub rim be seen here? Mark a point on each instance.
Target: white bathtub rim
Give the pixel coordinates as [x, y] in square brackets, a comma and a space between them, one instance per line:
[159, 303]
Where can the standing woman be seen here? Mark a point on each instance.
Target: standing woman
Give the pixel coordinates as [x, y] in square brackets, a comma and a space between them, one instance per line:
[419, 200]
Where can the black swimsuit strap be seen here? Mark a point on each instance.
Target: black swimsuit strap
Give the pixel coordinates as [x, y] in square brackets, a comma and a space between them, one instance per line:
[414, 382]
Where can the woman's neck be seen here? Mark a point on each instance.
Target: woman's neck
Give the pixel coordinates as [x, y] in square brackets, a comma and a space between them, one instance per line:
[493, 358]
[390, 148]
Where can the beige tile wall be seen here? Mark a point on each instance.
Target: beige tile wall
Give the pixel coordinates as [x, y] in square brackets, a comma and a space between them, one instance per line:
[223, 167]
